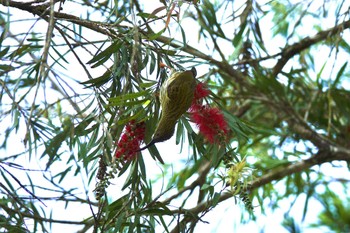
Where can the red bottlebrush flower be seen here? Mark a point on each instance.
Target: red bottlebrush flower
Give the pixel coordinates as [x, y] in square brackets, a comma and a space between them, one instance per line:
[211, 122]
[200, 92]
[130, 140]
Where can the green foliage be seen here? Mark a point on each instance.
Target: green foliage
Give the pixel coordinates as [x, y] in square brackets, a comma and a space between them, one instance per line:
[335, 215]
[277, 71]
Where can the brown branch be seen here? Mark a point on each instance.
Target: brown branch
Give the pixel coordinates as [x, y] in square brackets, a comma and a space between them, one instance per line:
[204, 169]
[276, 174]
[297, 125]
[238, 76]
[108, 30]
[41, 10]
[289, 51]
[39, 218]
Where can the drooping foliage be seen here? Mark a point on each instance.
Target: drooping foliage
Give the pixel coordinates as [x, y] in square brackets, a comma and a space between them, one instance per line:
[269, 125]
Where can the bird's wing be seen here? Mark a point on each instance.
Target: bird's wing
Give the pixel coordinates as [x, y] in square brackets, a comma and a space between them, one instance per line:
[179, 84]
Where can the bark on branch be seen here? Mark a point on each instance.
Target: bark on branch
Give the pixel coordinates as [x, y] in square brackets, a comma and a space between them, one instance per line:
[276, 174]
[289, 51]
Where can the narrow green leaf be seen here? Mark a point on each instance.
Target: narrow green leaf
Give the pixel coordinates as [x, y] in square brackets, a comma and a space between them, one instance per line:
[129, 103]
[179, 132]
[318, 76]
[155, 154]
[119, 222]
[97, 82]
[238, 37]
[154, 211]
[62, 56]
[6, 68]
[119, 203]
[124, 168]
[183, 34]
[22, 50]
[339, 75]
[4, 52]
[79, 130]
[136, 116]
[128, 96]
[165, 225]
[216, 199]
[131, 177]
[148, 84]
[63, 174]
[156, 35]
[33, 39]
[153, 63]
[147, 15]
[142, 167]
[105, 54]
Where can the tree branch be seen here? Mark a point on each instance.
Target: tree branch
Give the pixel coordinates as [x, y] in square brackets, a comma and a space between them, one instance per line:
[204, 169]
[39, 218]
[276, 174]
[289, 51]
[108, 30]
[41, 10]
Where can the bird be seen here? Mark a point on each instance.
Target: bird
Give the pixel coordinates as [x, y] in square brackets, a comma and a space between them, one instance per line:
[176, 96]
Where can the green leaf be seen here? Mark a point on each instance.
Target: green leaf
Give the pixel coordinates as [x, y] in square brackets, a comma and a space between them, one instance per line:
[155, 35]
[124, 168]
[63, 174]
[129, 96]
[319, 74]
[120, 221]
[21, 51]
[142, 167]
[339, 75]
[179, 132]
[62, 56]
[155, 211]
[4, 52]
[158, 209]
[155, 154]
[97, 82]
[153, 63]
[119, 203]
[136, 116]
[183, 35]
[129, 103]
[216, 199]
[148, 84]
[147, 15]
[7, 68]
[105, 54]
[132, 177]
[79, 130]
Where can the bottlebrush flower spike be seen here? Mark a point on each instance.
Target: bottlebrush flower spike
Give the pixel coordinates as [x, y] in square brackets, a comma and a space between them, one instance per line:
[130, 141]
[200, 92]
[211, 123]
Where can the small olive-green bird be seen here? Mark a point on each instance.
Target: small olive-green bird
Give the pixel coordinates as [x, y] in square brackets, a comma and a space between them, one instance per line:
[176, 96]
